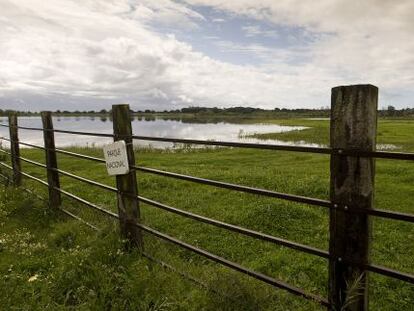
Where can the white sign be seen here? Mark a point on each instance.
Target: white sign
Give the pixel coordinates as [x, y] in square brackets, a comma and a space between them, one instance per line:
[116, 158]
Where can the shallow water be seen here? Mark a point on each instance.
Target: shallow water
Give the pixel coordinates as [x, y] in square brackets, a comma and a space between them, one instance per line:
[156, 127]
[221, 131]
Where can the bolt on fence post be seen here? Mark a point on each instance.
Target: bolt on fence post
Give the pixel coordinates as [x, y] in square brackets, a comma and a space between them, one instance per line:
[128, 205]
[55, 199]
[15, 149]
[353, 127]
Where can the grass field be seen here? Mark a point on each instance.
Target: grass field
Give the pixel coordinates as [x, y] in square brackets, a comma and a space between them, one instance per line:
[390, 132]
[48, 261]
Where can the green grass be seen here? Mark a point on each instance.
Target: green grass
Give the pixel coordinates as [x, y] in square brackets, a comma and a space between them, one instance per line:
[396, 132]
[153, 288]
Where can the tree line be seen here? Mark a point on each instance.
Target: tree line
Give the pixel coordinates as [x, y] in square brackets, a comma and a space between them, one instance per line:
[389, 111]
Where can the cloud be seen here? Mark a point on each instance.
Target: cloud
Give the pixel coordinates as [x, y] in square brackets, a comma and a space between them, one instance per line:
[365, 41]
[164, 12]
[58, 53]
[256, 30]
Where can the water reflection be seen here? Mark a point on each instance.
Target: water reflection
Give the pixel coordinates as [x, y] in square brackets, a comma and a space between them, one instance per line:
[147, 126]
[152, 126]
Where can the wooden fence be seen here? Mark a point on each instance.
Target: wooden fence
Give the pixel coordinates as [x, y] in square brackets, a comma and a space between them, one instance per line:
[352, 153]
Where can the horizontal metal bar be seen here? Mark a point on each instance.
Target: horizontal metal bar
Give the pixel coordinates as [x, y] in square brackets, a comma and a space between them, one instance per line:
[88, 181]
[25, 159]
[66, 193]
[248, 232]
[374, 212]
[392, 155]
[406, 277]
[84, 133]
[235, 144]
[357, 153]
[375, 154]
[87, 203]
[370, 267]
[188, 277]
[5, 177]
[44, 183]
[6, 166]
[31, 145]
[33, 162]
[24, 127]
[183, 274]
[63, 131]
[25, 144]
[237, 267]
[78, 218]
[61, 151]
[380, 213]
[390, 273]
[30, 128]
[81, 156]
[258, 191]
[268, 193]
[74, 154]
[31, 192]
[230, 186]
[27, 175]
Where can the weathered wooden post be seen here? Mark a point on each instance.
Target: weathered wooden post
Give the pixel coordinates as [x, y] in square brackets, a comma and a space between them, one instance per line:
[15, 149]
[128, 206]
[55, 199]
[353, 127]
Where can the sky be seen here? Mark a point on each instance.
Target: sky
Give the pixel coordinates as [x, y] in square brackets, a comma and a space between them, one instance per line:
[165, 54]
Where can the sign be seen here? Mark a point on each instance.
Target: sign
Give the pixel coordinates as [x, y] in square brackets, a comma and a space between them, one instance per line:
[116, 158]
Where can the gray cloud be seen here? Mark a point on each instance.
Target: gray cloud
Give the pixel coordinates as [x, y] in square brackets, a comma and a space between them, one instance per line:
[83, 55]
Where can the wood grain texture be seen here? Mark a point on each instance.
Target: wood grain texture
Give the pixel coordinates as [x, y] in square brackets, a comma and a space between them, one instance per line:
[353, 126]
[55, 199]
[128, 205]
[15, 149]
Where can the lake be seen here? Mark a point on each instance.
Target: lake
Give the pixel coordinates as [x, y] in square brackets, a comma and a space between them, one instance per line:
[157, 127]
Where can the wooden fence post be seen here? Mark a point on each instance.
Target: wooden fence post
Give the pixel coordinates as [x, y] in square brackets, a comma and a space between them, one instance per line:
[55, 199]
[15, 149]
[128, 205]
[353, 127]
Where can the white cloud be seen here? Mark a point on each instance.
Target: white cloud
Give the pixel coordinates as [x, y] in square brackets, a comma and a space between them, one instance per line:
[164, 12]
[256, 30]
[371, 40]
[112, 51]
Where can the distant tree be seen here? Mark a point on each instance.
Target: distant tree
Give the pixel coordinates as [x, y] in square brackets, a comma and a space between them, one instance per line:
[391, 111]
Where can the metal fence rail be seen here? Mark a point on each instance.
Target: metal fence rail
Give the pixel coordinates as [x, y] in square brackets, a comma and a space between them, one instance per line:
[300, 247]
[224, 185]
[332, 205]
[192, 248]
[317, 150]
